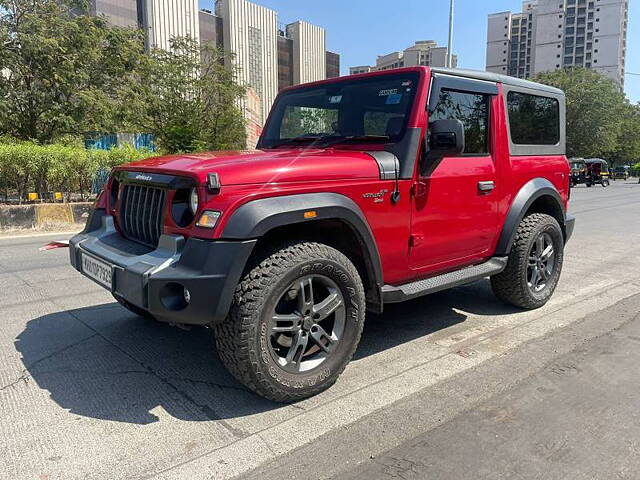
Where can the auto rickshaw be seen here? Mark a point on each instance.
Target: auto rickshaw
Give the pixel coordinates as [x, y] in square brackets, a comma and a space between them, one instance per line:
[578, 171]
[597, 172]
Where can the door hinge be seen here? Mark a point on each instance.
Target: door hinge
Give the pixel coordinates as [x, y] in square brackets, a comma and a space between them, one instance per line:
[415, 240]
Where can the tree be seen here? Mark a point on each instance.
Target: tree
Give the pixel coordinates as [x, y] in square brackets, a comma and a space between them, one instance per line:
[595, 110]
[63, 73]
[189, 99]
[627, 151]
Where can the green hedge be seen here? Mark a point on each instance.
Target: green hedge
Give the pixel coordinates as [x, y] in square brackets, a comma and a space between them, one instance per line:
[29, 167]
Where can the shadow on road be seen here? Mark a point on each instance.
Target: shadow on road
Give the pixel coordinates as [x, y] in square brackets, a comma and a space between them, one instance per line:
[103, 362]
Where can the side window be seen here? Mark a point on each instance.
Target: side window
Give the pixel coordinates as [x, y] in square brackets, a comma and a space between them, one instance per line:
[533, 120]
[472, 109]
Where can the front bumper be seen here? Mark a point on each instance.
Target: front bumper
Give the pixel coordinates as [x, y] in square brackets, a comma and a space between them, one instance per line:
[154, 280]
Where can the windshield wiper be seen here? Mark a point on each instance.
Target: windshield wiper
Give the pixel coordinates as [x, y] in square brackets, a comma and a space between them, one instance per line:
[300, 139]
[358, 138]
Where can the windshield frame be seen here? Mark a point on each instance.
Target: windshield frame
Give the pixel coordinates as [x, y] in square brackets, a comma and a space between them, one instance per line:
[418, 75]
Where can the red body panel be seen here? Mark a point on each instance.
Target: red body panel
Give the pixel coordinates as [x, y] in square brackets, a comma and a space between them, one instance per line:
[440, 223]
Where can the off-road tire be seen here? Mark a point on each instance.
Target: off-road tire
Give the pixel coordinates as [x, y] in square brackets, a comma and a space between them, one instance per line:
[241, 338]
[511, 285]
[133, 309]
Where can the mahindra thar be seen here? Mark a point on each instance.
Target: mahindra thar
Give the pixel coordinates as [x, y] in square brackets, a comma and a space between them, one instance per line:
[363, 191]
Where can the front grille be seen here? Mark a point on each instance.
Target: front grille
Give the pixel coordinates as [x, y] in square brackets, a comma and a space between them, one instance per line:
[141, 213]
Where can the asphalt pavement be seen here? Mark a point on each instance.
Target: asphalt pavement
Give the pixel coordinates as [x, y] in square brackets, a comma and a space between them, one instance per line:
[88, 390]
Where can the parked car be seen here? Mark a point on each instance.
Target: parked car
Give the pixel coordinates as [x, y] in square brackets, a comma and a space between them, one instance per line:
[621, 173]
[364, 191]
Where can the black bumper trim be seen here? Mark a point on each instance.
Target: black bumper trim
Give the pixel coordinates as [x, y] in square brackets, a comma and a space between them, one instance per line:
[209, 269]
[569, 224]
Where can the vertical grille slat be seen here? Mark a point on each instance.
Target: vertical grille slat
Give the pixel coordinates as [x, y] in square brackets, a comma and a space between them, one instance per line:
[159, 211]
[136, 218]
[129, 208]
[145, 213]
[141, 213]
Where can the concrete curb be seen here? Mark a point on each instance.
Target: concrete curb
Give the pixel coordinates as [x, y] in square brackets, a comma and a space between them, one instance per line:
[43, 215]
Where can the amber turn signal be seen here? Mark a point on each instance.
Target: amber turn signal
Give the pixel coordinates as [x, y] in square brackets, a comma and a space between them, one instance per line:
[208, 219]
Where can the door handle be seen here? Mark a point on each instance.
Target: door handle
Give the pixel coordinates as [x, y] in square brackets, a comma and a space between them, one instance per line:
[486, 186]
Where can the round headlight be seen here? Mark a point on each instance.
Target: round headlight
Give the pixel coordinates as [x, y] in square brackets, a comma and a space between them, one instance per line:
[193, 200]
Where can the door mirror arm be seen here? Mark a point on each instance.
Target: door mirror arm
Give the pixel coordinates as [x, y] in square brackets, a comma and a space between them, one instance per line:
[445, 138]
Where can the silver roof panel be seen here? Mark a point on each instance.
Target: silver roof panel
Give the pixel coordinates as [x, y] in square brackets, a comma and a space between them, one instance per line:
[498, 78]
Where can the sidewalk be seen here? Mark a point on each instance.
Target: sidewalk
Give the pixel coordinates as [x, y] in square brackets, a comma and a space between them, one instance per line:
[578, 418]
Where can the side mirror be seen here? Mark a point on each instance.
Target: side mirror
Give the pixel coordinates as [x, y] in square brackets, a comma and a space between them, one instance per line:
[446, 138]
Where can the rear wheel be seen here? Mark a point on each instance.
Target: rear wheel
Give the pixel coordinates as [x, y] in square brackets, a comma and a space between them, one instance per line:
[534, 264]
[295, 322]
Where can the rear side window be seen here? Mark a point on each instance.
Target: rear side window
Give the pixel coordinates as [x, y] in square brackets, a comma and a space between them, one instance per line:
[533, 119]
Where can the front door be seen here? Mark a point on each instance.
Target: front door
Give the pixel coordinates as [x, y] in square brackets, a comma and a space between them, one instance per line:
[454, 219]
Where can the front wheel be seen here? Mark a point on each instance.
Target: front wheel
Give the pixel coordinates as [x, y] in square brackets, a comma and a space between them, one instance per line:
[295, 322]
[605, 183]
[534, 264]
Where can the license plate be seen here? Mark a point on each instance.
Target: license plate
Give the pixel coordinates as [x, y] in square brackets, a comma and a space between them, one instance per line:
[98, 270]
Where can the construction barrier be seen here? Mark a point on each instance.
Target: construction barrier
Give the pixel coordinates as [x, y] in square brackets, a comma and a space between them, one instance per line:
[45, 215]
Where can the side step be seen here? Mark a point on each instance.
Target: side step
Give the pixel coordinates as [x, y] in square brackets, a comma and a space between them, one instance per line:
[392, 294]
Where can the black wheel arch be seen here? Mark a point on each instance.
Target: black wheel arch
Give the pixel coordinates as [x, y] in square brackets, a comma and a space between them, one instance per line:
[538, 195]
[334, 217]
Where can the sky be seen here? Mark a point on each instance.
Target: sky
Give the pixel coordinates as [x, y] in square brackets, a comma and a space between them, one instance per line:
[359, 30]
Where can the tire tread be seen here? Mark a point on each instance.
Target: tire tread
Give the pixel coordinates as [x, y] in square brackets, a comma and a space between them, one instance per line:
[234, 335]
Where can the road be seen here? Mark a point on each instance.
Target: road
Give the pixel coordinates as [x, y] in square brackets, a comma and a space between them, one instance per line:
[87, 390]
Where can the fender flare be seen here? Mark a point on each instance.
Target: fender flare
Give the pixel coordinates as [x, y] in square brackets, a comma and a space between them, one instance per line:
[529, 193]
[257, 217]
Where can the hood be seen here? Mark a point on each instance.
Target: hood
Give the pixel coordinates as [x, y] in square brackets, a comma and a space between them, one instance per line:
[266, 166]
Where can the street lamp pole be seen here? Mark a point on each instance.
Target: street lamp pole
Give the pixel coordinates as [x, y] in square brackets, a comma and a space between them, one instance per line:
[450, 46]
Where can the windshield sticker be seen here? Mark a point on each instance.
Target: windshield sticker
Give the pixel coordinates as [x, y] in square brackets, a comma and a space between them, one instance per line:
[394, 99]
[387, 92]
[335, 99]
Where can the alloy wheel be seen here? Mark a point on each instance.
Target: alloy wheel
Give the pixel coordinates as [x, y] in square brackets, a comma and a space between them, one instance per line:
[541, 264]
[307, 323]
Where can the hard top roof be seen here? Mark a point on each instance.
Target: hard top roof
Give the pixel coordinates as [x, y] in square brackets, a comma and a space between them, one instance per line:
[498, 78]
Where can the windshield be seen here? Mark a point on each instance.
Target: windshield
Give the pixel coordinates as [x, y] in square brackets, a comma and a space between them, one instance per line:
[374, 109]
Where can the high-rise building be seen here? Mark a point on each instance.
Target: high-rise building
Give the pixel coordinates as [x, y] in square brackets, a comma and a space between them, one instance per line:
[265, 57]
[210, 29]
[287, 65]
[361, 69]
[121, 13]
[309, 52]
[423, 52]
[251, 33]
[164, 20]
[285, 60]
[553, 34]
[333, 64]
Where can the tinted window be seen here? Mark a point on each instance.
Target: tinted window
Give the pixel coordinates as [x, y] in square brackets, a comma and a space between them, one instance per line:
[533, 120]
[377, 106]
[472, 110]
[298, 121]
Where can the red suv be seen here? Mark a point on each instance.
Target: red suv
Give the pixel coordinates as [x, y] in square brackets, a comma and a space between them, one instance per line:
[363, 191]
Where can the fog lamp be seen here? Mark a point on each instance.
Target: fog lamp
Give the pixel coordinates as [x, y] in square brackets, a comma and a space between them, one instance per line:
[208, 219]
